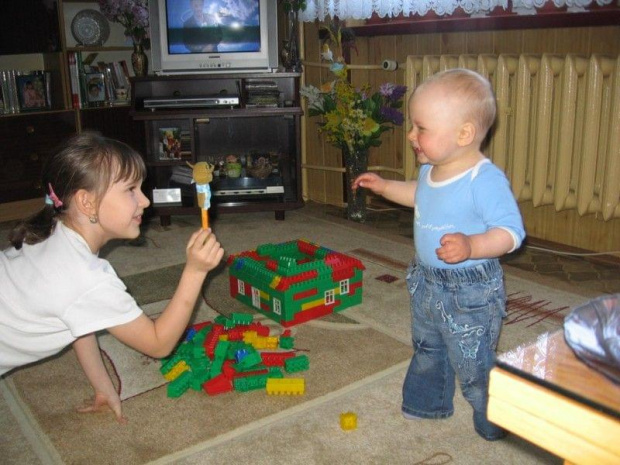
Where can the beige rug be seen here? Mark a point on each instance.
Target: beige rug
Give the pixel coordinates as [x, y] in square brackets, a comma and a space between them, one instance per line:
[357, 361]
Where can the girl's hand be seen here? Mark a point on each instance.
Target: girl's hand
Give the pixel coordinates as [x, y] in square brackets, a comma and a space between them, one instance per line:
[455, 248]
[203, 250]
[103, 401]
[371, 181]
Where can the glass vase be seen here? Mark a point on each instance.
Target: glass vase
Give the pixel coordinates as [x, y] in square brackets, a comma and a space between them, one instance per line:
[290, 51]
[356, 163]
[139, 61]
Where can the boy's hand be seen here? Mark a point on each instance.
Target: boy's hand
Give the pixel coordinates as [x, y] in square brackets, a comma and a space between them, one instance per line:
[203, 250]
[371, 181]
[103, 401]
[455, 248]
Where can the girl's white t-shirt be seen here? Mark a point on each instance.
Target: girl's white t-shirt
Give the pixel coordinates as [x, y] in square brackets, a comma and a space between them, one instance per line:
[53, 292]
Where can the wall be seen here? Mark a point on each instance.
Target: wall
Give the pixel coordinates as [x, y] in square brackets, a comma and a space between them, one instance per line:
[566, 227]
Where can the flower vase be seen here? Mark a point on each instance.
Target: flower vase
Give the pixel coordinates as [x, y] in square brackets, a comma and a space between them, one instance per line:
[139, 61]
[355, 163]
[291, 50]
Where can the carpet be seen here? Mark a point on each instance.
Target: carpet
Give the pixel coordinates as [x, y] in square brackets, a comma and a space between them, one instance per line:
[357, 361]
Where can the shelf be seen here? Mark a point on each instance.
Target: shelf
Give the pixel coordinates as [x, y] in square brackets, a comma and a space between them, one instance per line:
[99, 49]
[146, 115]
[214, 134]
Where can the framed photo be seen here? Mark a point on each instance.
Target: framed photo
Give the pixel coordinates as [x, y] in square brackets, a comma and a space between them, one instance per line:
[32, 92]
[95, 89]
[170, 143]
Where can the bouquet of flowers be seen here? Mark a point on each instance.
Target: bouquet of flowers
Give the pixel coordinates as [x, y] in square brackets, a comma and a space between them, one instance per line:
[133, 15]
[354, 118]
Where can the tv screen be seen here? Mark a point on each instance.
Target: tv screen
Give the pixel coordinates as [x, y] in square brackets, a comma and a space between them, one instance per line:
[213, 35]
[198, 26]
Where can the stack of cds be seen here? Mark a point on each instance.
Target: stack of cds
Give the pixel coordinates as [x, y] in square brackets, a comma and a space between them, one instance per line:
[262, 93]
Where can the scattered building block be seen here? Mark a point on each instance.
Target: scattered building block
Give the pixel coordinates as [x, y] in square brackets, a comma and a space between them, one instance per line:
[348, 421]
[296, 364]
[208, 359]
[286, 386]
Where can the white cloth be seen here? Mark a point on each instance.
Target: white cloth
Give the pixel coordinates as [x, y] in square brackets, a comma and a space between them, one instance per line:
[53, 292]
[363, 9]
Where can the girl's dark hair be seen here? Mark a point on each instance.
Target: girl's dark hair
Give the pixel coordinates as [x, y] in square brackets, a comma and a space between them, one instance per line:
[87, 161]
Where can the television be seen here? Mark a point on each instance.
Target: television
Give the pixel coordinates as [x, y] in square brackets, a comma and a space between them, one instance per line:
[213, 36]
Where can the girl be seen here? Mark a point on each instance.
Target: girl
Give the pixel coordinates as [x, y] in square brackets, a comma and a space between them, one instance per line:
[56, 291]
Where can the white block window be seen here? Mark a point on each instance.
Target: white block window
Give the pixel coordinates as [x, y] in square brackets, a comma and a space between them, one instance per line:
[256, 297]
[240, 287]
[330, 297]
[344, 287]
[277, 307]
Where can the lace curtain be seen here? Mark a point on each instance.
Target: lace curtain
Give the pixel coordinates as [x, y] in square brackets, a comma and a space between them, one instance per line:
[363, 9]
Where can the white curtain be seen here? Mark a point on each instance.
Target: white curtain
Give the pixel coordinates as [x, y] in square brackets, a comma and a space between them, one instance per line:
[558, 3]
[363, 9]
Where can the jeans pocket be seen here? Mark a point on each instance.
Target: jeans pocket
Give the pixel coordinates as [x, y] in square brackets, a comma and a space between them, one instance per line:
[473, 297]
[498, 313]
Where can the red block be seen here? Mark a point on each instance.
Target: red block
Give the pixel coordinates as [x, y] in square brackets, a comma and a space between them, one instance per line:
[212, 339]
[303, 294]
[275, 359]
[218, 385]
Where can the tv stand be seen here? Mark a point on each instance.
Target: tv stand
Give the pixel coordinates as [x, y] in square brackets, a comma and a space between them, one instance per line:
[264, 122]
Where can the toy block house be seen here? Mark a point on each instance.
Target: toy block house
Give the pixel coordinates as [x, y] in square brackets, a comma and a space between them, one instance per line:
[295, 281]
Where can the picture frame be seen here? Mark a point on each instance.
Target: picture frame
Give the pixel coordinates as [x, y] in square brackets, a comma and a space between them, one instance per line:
[95, 89]
[170, 143]
[32, 92]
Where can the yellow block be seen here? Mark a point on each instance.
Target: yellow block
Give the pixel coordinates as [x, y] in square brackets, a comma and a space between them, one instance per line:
[348, 421]
[176, 371]
[286, 386]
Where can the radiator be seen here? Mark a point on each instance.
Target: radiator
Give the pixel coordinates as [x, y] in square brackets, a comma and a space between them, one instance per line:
[557, 134]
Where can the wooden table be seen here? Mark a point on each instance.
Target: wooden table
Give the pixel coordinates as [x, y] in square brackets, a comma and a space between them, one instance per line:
[545, 394]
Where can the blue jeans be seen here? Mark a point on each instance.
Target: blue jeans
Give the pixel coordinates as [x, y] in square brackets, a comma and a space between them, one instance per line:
[456, 320]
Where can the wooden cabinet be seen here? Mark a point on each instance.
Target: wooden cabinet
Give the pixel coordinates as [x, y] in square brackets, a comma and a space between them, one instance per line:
[27, 140]
[36, 35]
[212, 130]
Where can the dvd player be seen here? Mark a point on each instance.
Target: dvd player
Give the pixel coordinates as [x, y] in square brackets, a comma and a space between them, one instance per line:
[247, 186]
[191, 102]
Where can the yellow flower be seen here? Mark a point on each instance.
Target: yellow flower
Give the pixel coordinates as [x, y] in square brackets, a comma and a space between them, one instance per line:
[370, 126]
[327, 87]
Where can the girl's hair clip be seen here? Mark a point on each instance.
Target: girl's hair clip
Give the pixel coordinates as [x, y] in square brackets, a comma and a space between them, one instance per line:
[52, 198]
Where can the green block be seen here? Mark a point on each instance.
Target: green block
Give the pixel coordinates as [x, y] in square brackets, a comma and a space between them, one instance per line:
[287, 342]
[241, 318]
[249, 383]
[181, 384]
[250, 360]
[295, 364]
[221, 350]
[275, 372]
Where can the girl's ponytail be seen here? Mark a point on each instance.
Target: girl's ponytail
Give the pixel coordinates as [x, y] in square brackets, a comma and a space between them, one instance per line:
[34, 229]
[39, 226]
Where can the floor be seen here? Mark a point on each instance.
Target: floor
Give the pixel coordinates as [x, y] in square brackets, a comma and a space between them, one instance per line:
[599, 276]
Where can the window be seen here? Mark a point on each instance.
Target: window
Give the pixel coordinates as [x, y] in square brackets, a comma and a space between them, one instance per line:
[256, 297]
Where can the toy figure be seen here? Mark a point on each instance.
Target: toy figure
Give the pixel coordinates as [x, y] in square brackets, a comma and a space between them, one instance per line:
[203, 175]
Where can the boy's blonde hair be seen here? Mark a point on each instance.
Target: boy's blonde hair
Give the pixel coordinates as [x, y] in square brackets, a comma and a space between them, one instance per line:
[474, 91]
